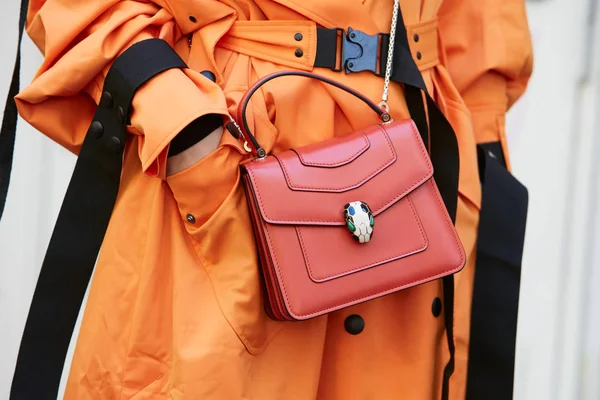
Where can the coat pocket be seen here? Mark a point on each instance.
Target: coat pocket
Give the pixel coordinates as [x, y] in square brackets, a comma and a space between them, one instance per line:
[211, 193]
[227, 247]
[200, 189]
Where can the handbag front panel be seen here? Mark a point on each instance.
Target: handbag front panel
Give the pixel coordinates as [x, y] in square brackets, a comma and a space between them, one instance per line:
[314, 261]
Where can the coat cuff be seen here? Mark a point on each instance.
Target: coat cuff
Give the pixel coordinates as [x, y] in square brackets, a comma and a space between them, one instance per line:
[164, 106]
[487, 101]
[489, 126]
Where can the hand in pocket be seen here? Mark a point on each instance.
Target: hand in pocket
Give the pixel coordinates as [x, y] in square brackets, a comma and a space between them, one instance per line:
[181, 161]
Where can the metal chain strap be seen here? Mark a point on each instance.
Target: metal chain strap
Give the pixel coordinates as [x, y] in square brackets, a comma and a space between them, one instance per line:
[388, 65]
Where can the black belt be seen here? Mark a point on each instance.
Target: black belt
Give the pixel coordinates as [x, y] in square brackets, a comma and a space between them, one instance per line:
[92, 191]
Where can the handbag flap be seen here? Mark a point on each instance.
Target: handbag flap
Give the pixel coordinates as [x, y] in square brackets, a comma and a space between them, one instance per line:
[357, 169]
[347, 150]
[310, 186]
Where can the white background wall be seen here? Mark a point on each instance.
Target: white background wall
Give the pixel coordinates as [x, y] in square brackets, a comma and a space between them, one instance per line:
[555, 149]
[553, 135]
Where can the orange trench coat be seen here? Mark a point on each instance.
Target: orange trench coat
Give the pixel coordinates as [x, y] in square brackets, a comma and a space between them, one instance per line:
[175, 308]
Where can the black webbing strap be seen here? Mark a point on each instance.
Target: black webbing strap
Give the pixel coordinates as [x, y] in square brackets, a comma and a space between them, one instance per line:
[9, 121]
[496, 286]
[82, 223]
[327, 40]
[438, 136]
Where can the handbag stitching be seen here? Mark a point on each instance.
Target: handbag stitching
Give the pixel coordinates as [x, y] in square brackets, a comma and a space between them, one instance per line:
[277, 270]
[391, 290]
[339, 306]
[373, 264]
[274, 293]
[385, 164]
[366, 145]
[375, 212]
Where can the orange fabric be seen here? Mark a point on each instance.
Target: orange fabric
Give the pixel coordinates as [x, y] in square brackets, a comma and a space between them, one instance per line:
[423, 41]
[175, 309]
[490, 59]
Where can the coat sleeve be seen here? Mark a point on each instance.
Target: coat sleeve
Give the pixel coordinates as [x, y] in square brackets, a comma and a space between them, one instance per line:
[79, 41]
[488, 50]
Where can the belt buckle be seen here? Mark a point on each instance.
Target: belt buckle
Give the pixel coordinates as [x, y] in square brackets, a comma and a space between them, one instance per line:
[359, 51]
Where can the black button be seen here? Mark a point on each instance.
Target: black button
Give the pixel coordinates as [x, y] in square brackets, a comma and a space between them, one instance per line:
[298, 37]
[191, 219]
[120, 114]
[96, 129]
[418, 55]
[106, 100]
[192, 18]
[436, 307]
[299, 53]
[209, 75]
[354, 324]
[115, 144]
[416, 37]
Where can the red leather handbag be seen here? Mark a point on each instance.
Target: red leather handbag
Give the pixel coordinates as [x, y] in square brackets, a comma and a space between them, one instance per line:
[348, 219]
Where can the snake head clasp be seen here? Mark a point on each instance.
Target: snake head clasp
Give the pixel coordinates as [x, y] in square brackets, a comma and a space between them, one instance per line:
[359, 221]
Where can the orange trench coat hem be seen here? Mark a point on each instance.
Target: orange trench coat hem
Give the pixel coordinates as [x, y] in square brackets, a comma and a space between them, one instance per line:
[175, 308]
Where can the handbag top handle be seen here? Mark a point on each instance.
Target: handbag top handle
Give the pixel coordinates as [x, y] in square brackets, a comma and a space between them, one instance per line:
[382, 109]
[245, 131]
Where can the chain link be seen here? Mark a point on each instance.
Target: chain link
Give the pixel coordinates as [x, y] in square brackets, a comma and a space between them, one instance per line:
[390, 55]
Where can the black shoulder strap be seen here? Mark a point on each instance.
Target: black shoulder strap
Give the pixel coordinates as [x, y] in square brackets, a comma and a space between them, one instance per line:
[73, 248]
[9, 122]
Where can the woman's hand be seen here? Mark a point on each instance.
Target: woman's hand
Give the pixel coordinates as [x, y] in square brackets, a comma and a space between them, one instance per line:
[195, 153]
